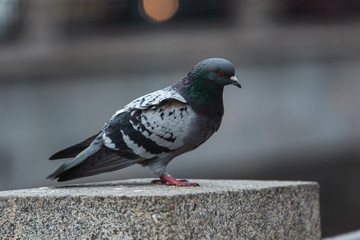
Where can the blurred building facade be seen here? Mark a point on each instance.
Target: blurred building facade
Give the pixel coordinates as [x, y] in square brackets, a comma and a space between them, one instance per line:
[67, 66]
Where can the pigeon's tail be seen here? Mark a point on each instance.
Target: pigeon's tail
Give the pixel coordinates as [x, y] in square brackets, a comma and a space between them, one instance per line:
[104, 160]
[94, 147]
[73, 151]
[94, 159]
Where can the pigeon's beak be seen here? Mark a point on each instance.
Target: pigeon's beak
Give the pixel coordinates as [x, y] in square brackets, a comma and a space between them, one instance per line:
[235, 81]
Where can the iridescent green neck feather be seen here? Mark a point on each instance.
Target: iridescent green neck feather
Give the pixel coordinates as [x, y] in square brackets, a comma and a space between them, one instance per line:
[201, 90]
[202, 94]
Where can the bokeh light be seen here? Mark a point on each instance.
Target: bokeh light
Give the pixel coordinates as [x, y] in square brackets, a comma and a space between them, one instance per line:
[159, 10]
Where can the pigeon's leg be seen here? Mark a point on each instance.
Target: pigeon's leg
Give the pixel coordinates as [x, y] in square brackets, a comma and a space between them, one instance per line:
[169, 180]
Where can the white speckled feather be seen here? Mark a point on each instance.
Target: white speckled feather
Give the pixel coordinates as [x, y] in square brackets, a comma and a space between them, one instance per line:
[167, 125]
[155, 98]
[162, 117]
[152, 99]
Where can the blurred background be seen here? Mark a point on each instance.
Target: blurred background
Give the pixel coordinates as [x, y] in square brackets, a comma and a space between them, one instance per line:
[66, 66]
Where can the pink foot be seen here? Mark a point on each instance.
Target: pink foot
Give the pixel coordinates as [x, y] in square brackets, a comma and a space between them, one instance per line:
[169, 180]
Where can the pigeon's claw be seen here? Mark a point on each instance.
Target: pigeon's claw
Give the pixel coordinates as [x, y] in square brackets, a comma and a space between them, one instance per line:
[169, 180]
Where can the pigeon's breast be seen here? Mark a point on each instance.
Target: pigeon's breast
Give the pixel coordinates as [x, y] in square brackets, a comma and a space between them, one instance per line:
[203, 129]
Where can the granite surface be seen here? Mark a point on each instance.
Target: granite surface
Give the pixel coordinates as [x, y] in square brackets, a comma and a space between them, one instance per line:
[136, 209]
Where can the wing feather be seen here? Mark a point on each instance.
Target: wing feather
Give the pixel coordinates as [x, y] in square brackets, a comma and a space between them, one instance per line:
[152, 132]
[155, 98]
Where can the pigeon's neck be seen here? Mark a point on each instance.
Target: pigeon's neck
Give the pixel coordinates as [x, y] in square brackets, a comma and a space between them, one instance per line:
[204, 98]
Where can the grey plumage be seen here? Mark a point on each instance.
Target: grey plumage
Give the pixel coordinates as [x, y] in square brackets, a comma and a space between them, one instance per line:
[155, 128]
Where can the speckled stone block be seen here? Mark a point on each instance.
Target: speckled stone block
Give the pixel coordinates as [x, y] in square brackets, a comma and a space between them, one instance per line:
[136, 209]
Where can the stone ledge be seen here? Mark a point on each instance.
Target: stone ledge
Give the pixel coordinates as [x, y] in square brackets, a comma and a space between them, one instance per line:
[135, 209]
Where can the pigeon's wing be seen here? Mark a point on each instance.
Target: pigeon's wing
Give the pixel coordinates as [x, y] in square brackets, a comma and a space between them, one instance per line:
[154, 99]
[152, 132]
[151, 126]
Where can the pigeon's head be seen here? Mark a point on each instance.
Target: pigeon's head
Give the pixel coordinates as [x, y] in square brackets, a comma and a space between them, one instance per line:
[218, 71]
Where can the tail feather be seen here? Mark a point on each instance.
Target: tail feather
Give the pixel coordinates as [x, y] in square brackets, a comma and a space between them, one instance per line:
[73, 150]
[94, 147]
[104, 160]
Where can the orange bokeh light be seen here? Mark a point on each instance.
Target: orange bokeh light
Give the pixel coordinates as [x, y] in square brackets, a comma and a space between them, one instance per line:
[160, 10]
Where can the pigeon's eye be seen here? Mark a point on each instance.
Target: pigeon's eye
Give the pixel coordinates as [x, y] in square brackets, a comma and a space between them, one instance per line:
[220, 72]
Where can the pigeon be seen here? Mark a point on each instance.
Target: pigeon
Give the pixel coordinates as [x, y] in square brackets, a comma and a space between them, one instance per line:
[155, 128]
